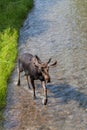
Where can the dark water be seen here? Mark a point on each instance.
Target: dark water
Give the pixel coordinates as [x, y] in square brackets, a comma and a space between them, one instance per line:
[56, 29]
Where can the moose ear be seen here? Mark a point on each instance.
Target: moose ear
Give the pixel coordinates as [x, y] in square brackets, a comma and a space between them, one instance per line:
[53, 64]
[36, 62]
[38, 59]
[49, 60]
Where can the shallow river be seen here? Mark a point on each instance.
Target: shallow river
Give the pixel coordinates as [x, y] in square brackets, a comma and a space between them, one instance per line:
[57, 29]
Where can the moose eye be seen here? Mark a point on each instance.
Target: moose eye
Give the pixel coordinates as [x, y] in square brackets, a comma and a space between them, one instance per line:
[42, 69]
[47, 70]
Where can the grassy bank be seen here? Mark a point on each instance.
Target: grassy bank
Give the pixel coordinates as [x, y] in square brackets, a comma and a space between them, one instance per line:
[12, 14]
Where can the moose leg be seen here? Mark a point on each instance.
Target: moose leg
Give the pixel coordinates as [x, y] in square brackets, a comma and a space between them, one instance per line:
[20, 69]
[32, 82]
[28, 81]
[45, 92]
[18, 77]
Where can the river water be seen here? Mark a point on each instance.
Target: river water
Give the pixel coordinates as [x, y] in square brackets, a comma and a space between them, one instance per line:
[56, 29]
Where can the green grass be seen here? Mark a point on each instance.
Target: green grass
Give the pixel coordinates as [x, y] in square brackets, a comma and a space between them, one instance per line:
[12, 14]
[8, 53]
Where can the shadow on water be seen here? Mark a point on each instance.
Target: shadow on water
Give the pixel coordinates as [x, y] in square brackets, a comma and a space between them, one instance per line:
[68, 93]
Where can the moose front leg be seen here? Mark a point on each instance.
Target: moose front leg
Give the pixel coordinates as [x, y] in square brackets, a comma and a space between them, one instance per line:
[45, 92]
[33, 85]
[27, 78]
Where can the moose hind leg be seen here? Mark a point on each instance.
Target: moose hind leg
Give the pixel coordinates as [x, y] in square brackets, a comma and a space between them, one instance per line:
[18, 83]
[20, 69]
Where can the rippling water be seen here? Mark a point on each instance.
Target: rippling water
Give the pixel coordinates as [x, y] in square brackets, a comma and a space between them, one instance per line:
[56, 29]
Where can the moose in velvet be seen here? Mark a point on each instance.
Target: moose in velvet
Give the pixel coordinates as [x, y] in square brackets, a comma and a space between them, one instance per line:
[36, 69]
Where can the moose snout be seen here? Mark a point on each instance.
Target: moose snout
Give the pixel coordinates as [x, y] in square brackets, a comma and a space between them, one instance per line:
[48, 80]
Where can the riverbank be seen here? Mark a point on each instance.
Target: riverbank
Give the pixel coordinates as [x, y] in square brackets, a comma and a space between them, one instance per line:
[12, 15]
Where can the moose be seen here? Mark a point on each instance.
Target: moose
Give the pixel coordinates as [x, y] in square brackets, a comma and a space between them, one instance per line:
[36, 70]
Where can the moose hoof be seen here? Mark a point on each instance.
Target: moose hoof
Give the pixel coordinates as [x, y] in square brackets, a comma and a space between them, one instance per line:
[18, 84]
[29, 88]
[44, 101]
[34, 97]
